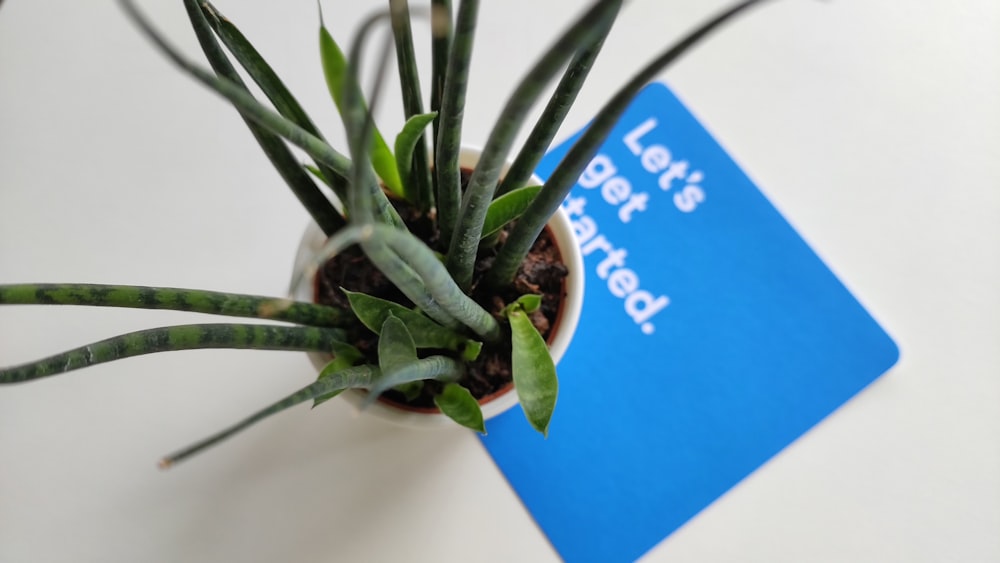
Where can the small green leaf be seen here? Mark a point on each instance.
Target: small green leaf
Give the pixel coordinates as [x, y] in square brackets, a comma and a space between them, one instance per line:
[334, 69]
[317, 173]
[406, 142]
[395, 346]
[372, 312]
[458, 404]
[508, 207]
[533, 369]
[410, 390]
[344, 356]
[471, 350]
[334, 64]
[529, 302]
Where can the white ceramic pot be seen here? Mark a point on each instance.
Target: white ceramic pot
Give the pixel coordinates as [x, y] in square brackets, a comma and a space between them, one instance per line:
[569, 314]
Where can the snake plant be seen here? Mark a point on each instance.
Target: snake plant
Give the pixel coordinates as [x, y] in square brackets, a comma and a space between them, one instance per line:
[367, 198]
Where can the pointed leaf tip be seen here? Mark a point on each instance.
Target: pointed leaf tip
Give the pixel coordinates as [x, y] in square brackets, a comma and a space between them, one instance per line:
[458, 404]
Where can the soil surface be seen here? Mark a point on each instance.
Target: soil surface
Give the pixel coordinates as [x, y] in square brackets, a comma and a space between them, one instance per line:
[541, 273]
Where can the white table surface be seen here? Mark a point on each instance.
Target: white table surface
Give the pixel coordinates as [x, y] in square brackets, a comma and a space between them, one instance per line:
[873, 125]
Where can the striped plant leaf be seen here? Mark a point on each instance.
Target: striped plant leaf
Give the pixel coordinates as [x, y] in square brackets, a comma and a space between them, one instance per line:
[344, 357]
[441, 30]
[248, 106]
[373, 312]
[270, 84]
[192, 300]
[358, 377]
[439, 368]
[416, 178]
[287, 166]
[449, 135]
[174, 338]
[552, 117]
[564, 177]
[464, 245]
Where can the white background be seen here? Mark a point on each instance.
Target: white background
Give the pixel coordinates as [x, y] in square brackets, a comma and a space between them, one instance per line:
[874, 125]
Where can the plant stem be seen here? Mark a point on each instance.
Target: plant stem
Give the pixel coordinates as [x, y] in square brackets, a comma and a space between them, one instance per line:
[194, 301]
[566, 174]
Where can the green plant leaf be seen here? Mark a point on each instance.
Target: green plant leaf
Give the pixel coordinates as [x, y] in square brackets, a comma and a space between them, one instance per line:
[344, 356]
[407, 140]
[405, 278]
[395, 346]
[373, 312]
[506, 208]
[202, 17]
[244, 102]
[173, 338]
[472, 350]
[432, 283]
[448, 144]
[441, 21]
[464, 244]
[416, 180]
[458, 404]
[533, 369]
[439, 283]
[552, 117]
[564, 177]
[269, 82]
[257, 68]
[317, 173]
[410, 390]
[439, 368]
[334, 69]
[357, 377]
[172, 298]
[530, 302]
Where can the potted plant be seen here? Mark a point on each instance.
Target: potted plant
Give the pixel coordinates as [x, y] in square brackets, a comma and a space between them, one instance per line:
[424, 297]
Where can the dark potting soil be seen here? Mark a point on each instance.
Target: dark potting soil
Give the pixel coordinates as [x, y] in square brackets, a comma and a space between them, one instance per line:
[542, 273]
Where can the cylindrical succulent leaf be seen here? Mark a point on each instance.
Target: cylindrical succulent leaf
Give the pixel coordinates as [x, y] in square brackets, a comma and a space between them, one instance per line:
[173, 338]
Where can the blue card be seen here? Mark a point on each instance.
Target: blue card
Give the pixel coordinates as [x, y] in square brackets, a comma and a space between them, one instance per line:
[711, 338]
